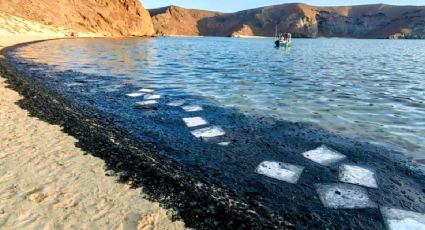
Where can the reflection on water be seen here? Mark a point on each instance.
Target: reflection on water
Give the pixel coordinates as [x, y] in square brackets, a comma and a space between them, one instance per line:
[373, 89]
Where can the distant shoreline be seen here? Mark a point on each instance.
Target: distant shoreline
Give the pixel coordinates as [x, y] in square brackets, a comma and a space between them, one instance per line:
[266, 37]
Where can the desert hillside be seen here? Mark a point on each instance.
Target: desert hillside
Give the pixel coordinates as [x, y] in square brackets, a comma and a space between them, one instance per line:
[174, 20]
[109, 17]
[11, 26]
[365, 21]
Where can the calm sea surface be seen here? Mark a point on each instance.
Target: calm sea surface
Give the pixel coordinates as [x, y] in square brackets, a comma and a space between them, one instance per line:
[368, 89]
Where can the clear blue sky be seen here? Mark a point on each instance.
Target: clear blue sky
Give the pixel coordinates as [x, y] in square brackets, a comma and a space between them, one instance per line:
[236, 5]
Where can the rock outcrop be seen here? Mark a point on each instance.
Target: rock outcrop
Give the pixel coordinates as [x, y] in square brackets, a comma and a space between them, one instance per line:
[365, 21]
[11, 26]
[246, 30]
[174, 20]
[417, 31]
[295, 18]
[368, 21]
[109, 17]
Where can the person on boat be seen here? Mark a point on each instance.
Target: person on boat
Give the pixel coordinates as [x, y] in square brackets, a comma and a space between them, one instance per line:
[280, 39]
[283, 38]
[289, 37]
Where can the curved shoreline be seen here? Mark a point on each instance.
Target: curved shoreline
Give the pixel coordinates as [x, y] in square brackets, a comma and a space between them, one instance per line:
[49, 182]
[142, 159]
[149, 174]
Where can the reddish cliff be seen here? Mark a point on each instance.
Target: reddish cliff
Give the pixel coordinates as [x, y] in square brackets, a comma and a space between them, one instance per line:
[174, 20]
[110, 17]
[244, 31]
[365, 21]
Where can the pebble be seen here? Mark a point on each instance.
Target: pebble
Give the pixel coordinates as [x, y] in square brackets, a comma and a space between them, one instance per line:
[110, 173]
[396, 182]
[411, 198]
[288, 224]
[37, 197]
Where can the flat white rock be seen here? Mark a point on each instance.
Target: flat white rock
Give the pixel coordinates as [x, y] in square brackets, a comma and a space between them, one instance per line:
[146, 90]
[280, 171]
[176, 103]
[344, 196]
[152, 97]
[194, 121]
[397, 219]
[149, 102]
[357, 175]
[225, 143]
[192, 108]
[324, 155]
[74, 84]
[209, 132]
[135, 94]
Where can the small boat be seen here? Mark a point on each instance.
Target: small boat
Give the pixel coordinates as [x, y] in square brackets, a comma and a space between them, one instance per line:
[282, 40]
[282, 43]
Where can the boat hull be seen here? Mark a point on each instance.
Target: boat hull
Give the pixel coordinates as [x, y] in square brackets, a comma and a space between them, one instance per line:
[282, 43]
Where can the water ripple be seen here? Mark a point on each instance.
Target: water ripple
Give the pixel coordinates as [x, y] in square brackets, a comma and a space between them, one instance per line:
[373, 89]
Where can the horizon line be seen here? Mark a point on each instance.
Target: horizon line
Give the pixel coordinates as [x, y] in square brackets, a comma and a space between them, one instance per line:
[332, 6]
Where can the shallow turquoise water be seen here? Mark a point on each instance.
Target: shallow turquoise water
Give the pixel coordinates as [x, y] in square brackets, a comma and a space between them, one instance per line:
[369, 89]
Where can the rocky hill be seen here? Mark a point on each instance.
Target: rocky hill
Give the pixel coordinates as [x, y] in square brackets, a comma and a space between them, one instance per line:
[11, 26]
[174, 20]
[109, 17]
[365, 21]
[245, 30]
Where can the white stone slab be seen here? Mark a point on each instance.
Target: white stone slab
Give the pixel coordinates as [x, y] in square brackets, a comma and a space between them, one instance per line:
[135, 94]
[224, 143]
[344, 196]
[147, 90]
[209, 132]
[357, 175]
[74, 84]
[91, 80]
[176, 103]
[152, 96]
[194, 121]
[192, 108]
[149, 102]
[396, 219]
[324, 155]
[280, 171]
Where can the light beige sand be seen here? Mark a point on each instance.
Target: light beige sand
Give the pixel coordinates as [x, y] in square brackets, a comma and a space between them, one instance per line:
[48, 183]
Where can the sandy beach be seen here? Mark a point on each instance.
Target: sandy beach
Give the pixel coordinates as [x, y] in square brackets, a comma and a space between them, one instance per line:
[104, 125]
[46, 182]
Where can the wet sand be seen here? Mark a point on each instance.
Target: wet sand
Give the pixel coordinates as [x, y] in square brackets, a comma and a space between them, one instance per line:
[46, 182]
